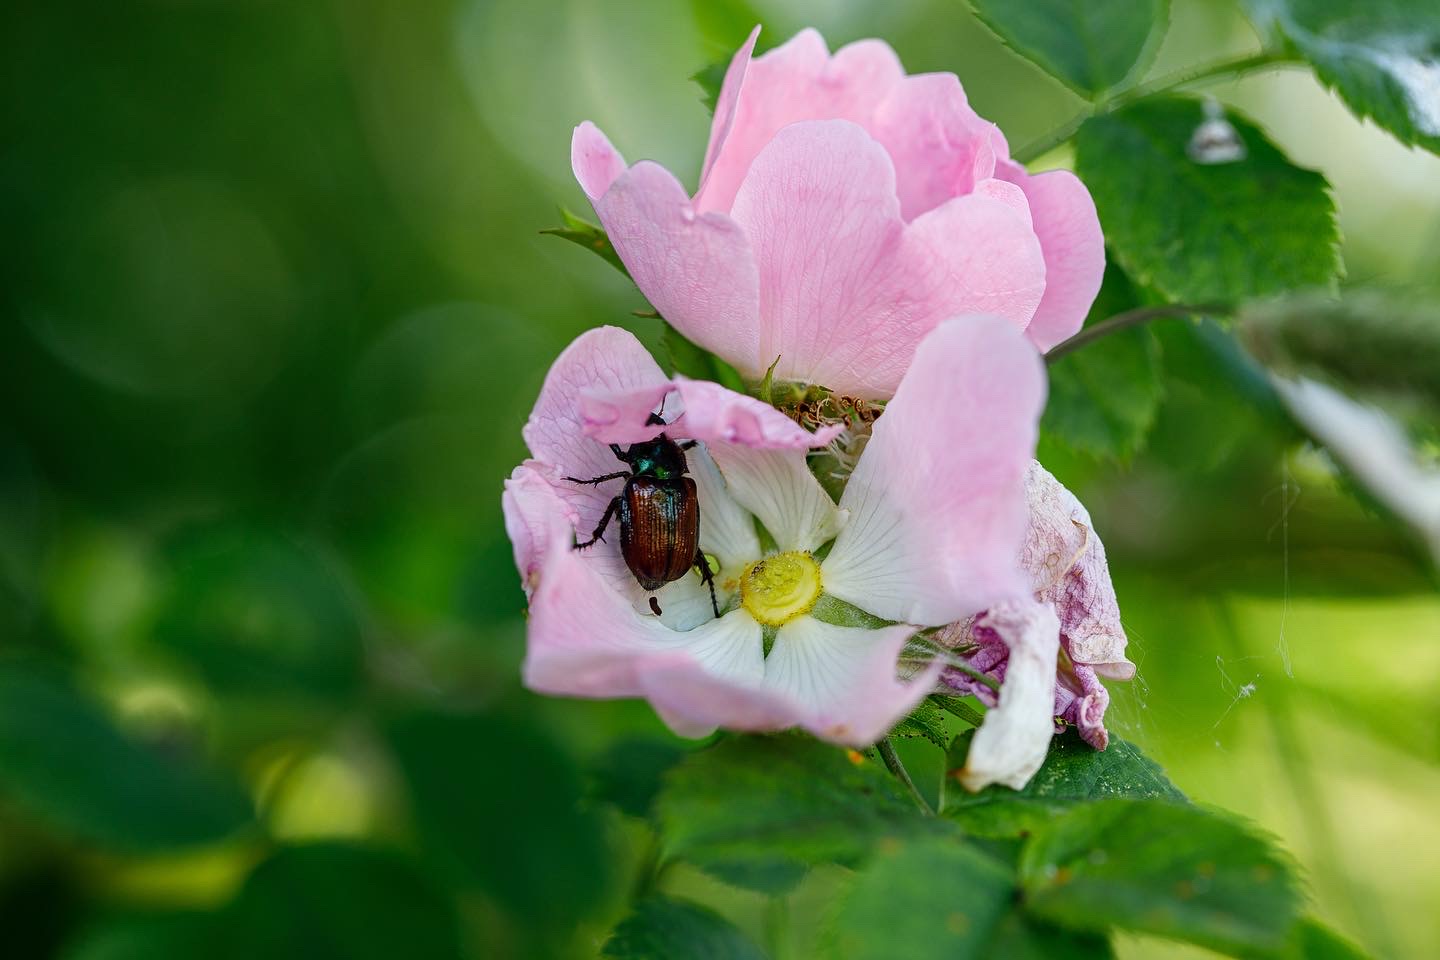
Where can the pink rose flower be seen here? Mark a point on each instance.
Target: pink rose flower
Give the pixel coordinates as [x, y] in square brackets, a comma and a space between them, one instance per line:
[928, 530]
[844, 211]
[1050, 651]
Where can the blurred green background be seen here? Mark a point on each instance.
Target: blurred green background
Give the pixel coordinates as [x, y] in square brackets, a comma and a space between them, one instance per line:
[276, 306]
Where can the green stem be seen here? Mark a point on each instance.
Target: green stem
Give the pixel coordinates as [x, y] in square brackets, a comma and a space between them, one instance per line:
[974, 674]
[893, 764]
[777, 927]
[648, 869]
[959, 708]
[1227, 68]
[1127, 319]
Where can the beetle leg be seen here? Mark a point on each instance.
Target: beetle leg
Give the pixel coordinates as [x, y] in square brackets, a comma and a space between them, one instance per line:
[593, 480]
[707, 575]
[619, 452]
[599, 533]
[689, 444]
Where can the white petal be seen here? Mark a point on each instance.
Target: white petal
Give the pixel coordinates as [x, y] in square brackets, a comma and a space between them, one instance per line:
[1012, 742]
[778, 487]
[726, 528]
[843, 680]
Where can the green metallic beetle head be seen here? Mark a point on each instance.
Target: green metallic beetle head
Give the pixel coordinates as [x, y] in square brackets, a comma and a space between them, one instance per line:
[660, 458]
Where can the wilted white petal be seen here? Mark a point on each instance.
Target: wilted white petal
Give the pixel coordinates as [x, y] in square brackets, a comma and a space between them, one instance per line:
[1011, 744]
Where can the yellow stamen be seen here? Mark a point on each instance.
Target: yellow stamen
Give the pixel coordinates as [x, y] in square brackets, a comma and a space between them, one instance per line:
[778, 589]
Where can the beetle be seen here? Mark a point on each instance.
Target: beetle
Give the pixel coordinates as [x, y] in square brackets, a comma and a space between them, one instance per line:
[659, 514]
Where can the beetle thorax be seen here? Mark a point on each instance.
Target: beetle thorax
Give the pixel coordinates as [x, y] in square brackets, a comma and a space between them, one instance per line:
[660, 458]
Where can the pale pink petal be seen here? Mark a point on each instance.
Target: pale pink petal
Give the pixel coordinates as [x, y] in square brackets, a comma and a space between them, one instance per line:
[1012, 741]
[1081, 699]
[586, 639]
[527, 503]
[606, 358]
[937, 501]
[1074, 248]
[596, 163]
[779, 489]
[846, 287]
[1066, 561]
[725, 106]
[940, 146]
[837, 682]
[844, 678]
[700, 410]
[798, 80]
[1057, 536]
[695, 269]
[694, 703]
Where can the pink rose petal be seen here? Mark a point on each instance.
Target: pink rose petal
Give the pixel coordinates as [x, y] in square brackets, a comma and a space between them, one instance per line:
[937, 501]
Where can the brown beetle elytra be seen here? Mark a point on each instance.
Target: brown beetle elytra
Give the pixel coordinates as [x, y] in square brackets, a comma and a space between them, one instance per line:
[659, 514]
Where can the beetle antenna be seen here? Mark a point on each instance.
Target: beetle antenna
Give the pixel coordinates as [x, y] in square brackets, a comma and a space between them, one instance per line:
[655, 606]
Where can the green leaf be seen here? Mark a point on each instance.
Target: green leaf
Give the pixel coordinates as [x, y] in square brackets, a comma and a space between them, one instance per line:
[62, 757]
[588, 235]
[710, 79]
[1022, 937]
[924, 898]
[1380, 56]
[498, 805]
[258, 615]
[1201, 233]
[928, 721]
[1074, 772]
[666, 929]
[340, 902]
[1104, 396]
[167, 936]
[1089, 46]
[1312, 940]
[758, 810]
[629, 773]
[695, 362]
[1163, 868]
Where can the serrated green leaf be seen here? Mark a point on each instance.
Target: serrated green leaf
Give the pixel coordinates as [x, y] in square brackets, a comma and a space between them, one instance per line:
[690, 360]
[1162, 868]
[1205, 233]
[1312, 940]
[928, 721]
[956, 899]
[591, 236]
[1104, 395]
[1090, 46]
[758, 810]
[1380, 56]
[664, 929]
[62, 758]
[923, 898]
[1022, 937]
[1074, 772]
[337, 900]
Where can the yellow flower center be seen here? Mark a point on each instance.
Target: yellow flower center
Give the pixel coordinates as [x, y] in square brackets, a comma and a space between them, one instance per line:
[778, 589]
